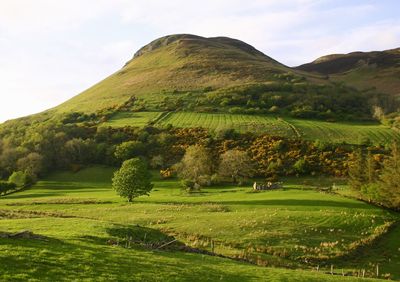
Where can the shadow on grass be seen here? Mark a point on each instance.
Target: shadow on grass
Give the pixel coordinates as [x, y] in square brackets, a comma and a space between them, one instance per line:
[91, 258]
[51, 192]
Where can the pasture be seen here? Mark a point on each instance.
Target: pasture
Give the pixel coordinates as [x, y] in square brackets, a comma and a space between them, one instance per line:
[296, 227]
[351, 133]
[218, 121]
[137, 119]
[333, 132]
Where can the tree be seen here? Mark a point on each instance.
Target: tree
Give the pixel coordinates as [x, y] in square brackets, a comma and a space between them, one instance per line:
[389, 188]
[132, 180]
[80, 151]
[32, 164]
[157, 162]
[237, 165]
[196, 165]
[301, 166]
[130, 149]
[357, 173]
[371, 168]
[19, 178]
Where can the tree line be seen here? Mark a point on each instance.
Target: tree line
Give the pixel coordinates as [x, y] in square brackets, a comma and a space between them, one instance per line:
[376, 178]
[32, 147]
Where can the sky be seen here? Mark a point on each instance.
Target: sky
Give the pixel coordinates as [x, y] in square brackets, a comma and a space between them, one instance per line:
[52, 50]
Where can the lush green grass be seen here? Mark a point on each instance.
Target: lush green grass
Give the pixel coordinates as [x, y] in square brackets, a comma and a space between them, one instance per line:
[76, 251]
[79, 211]
[242, 123]
[334, 132]
[140, 119]
[352, 133]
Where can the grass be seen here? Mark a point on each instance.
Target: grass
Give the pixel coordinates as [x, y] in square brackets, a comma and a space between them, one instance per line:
[241, 123]
[282, 228]
[351, 133]
[140, 119]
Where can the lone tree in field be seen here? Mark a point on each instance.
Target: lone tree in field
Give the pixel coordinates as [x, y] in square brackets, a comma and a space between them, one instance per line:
[236, 165]
[132, 179]
[196, 165]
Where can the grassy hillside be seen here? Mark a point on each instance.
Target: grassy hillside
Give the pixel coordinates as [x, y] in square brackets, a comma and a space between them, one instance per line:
[364, 70]
[178, 63]
[285, 228]
[334, 132]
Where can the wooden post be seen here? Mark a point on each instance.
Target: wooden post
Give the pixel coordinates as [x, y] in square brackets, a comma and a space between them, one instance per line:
[342, 272]
[212, 246]
[377, 270]
[332, 269]
[317, 267]
[363, 273]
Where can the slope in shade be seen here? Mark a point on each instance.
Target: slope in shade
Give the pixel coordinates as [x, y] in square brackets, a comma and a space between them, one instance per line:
[379, 70]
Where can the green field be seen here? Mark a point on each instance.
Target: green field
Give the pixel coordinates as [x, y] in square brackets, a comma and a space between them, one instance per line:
[140, 119]
[351, 133]
[296, 227]
[242, 123]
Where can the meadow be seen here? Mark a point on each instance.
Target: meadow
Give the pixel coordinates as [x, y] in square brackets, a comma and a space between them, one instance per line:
[333, 132]
[139, 119]
[88, 231]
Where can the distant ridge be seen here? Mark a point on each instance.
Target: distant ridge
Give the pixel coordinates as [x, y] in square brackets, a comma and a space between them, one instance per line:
[378, 70]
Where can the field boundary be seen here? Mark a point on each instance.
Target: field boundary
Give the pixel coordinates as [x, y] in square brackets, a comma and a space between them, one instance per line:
[160, 118]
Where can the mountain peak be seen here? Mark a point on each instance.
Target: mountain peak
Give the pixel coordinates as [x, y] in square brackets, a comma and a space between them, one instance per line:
[164, 41]
[180, 63]
[187, 39]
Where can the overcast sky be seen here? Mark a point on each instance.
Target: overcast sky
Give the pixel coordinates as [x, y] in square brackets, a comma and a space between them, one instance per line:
[51, 50]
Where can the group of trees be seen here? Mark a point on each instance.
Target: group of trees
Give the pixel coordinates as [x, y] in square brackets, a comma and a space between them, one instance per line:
[37, 145]
[197, 167]
[377, 179]
[17, 180]
[286, 94]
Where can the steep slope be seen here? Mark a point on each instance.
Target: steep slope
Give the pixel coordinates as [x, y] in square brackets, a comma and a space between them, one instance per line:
[363, 70]
[179, 63]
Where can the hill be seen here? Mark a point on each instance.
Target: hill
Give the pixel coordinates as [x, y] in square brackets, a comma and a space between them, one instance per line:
[378, 70]
[180, 62]
[218, 74]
